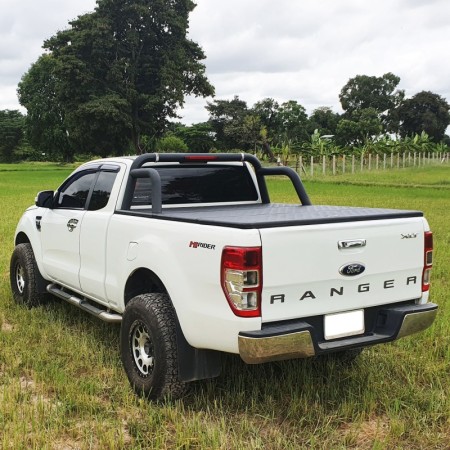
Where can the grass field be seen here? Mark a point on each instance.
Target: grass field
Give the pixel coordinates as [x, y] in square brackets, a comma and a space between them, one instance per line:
[62, 384]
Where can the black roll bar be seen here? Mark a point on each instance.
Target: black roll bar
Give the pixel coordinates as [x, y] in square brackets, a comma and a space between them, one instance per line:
[137, 171]
[293, 176]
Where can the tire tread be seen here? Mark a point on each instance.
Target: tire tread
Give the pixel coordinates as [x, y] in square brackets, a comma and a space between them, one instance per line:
[167, 384]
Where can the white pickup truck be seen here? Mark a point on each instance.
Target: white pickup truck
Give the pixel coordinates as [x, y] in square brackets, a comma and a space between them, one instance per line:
[189, 255]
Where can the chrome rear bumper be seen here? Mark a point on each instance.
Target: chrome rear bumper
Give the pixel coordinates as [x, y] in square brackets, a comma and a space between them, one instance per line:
[301, 339]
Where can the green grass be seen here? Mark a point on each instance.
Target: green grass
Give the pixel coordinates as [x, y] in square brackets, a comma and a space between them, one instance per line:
[62, 384]
[428, 176]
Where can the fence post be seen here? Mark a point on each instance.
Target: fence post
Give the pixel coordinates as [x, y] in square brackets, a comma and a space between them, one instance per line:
[353, 163]
[362, 161]
[343, 164]
[312, 166]
[414, 159]
[334, 164]
[398, 160]
[409, 158]
[370, 161]
[377, 160]
[392, 160]
[384, 161]
[324, 165]
[404, 159]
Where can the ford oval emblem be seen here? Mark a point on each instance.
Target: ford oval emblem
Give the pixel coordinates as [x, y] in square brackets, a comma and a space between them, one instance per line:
[351, 270]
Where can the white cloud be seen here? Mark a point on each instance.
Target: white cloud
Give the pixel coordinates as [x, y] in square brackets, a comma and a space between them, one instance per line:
[24, 25]
[301, 50]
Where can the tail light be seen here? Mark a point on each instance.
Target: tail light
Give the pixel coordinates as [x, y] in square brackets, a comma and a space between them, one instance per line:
[241, 279]
[428, 261]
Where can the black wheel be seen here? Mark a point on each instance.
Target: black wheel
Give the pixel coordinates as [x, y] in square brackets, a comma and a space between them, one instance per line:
[24, 275]
[148, 347]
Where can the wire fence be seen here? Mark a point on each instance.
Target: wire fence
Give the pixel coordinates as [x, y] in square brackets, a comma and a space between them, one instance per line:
[344, 164]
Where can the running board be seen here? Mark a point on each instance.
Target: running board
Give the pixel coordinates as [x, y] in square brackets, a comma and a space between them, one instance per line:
[84, 305]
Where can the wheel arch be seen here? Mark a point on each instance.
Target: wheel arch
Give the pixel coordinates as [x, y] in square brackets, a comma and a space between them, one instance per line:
[21, 238]
[143, 281]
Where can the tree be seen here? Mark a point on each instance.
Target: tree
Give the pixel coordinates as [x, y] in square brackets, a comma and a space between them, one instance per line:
[45, 122]
[246, 132]
[324, 120]
[124, 69]
[199, 137]
[268, 112]
[379, 93]
[12, 124]
[171, 144]
[292, 123]
[224, 116]
[427, 112]
[362, 126]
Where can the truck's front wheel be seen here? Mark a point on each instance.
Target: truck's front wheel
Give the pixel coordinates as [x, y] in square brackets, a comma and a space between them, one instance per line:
[24, 275]
[149, 347]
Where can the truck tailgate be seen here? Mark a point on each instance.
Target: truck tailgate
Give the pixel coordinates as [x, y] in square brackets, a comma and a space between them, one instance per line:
[316, 269]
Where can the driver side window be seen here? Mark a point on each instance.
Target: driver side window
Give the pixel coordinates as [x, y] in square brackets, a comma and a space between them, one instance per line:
[74, 194]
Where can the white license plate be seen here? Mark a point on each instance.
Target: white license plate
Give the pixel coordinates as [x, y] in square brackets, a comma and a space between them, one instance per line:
[344, 324]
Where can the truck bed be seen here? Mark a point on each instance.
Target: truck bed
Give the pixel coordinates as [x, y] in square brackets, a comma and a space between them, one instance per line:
[271, 215]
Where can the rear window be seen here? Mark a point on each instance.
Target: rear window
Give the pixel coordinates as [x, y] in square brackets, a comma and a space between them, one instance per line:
[198, 184]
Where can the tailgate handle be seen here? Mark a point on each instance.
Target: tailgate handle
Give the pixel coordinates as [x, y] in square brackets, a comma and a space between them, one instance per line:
[354, 243]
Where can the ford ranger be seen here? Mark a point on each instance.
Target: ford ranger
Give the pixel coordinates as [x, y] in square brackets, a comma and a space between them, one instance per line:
[189, 255]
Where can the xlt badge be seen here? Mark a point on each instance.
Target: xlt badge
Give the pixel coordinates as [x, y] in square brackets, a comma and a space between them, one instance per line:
[409, 235]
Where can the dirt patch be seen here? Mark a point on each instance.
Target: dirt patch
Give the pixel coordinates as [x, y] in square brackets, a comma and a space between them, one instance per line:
[66, 444]
[7, 327]
[363, 435]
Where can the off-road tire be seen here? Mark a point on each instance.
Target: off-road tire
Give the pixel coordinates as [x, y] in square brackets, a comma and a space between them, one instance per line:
[148, 347]
[24, 274]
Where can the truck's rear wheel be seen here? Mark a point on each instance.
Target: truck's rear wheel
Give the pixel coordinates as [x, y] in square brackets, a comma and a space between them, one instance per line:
[149, 347]
[24, 275]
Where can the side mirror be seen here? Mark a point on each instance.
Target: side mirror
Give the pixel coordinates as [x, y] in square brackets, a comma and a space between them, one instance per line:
[44, 199]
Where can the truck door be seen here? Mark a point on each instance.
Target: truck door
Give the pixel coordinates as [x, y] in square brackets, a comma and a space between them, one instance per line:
[93, 238]
[60, 229]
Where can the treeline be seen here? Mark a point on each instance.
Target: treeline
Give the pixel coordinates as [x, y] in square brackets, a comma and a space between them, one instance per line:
[377, 119]
[114, 80]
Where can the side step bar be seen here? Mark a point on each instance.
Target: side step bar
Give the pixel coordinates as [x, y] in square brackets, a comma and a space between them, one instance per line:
[84, 305]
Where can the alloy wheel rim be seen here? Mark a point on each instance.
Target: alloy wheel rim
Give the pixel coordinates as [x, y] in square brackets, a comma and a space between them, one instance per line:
[20, 278]
[142, 349]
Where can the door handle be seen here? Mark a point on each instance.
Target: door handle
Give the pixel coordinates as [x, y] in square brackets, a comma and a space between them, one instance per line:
[71, 224]
[354, 243]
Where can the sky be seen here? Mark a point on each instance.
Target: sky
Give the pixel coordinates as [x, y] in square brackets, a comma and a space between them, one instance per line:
[303, 50]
